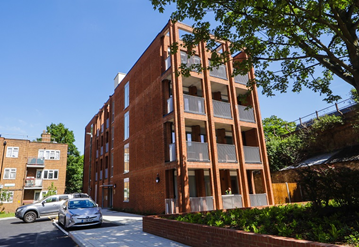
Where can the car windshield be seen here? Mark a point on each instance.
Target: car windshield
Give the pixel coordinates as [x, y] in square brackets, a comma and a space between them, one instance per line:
[73, 204]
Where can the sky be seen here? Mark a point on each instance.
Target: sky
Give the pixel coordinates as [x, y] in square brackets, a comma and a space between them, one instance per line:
[58, 60]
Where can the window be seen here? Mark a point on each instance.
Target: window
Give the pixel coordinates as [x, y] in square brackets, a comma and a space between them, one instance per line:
[12, 152]
[10, 173]
[51, 174]
[127, 125]
[111, 164]
[127, 94]
[7, 197]
[49, 154]
[51, 199]
[126, 155]
[126, 190]
[113, 110]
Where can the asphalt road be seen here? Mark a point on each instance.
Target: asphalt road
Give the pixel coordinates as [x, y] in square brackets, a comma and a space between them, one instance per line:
[14, 232]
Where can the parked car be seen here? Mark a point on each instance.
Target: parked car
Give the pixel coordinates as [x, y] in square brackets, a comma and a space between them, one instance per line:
[79, 212]
[49, 206]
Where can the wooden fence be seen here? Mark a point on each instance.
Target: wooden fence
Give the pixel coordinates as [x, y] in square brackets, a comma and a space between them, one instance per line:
[286, 193]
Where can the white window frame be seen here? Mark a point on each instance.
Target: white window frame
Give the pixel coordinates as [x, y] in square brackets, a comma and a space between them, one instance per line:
[127, 125]
[127, 94]
[48, 172]
[126, 191]
[126, 158]
[49, 154]
[12, 152]
[11, 198]
[10, 171]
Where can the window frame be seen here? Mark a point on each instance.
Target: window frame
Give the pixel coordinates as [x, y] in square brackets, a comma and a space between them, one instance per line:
[126, 181]
[126, 95]
[11, 198]
[127, 145]
[126, 125]
[49, 154]
[10, 154]
[11, 170]
[48, 172]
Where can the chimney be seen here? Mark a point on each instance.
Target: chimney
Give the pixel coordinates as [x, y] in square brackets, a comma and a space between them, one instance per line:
[45, 137]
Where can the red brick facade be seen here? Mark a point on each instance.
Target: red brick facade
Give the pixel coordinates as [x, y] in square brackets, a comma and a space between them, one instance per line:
[190, 133]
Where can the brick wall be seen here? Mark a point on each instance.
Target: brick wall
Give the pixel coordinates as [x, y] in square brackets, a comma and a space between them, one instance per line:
[202, 235]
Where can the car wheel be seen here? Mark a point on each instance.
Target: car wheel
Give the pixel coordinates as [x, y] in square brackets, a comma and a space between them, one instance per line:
[30, 217]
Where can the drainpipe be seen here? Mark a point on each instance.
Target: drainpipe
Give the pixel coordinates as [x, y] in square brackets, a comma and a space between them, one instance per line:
[2, 161]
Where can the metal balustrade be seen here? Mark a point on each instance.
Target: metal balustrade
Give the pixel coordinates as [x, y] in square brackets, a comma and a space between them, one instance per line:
[246, 114]
[189, 61]
[232, 201]
[168, 62]
[258, 200]
[35, 161]
[172, 148]
[169, 105]
[221, 109]
[251, 154]
[107, 147]
[171, 206]
[226, 153]
[101, 150]
[101, 175]
[241, 79]
[219, 72]
[201, 203]
[197, 151]
[107, 123]
[102, 128]
[106, 172]
[193, 104]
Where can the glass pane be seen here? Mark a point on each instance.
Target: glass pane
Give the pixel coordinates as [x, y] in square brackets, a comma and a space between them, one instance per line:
[55, 174]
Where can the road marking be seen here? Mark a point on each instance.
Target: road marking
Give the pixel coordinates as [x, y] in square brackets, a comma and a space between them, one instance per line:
[60, 228]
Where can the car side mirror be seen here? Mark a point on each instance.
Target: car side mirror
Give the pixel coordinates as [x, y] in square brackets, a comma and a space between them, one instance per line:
[64, 207]
[43, 203]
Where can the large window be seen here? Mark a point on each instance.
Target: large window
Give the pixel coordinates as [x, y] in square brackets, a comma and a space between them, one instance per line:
[9, 173]
[51, 174]
[126, 190]
[49, 154]
[12, 152]
[127, 125]
[7, 197]
[127, 94]
[126, 155]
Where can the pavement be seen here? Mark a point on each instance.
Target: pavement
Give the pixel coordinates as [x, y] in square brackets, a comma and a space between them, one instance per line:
[127, 231]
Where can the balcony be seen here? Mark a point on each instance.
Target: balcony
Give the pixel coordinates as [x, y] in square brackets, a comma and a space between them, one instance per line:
[101, 175]
[96, 176]
[170, 105]
[241, 79]
[35, 162]
[101, 150]
[251, 155]
[221, 109]
[232, 201]
[171, 206]
[219, 72]
[31, 183]
[193, 104]
[172, 152]
[201, 203]
[96, 154]
[246, 114]
[197, 151]
[107, 145]
[258, 200]
[107, 123]
[106, 173]
[168, 63]
[226, 153]
[189, 61]
[102, 128]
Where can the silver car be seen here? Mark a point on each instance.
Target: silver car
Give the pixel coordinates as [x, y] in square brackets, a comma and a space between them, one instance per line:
[79, 212]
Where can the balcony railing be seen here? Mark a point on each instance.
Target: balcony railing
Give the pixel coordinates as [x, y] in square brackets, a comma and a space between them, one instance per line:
[97, 132]
[226, 153]
[251, 154]
[219, 72]
[96, 153]
[96, 176]
[106, 173]
[193, 104]
[191, 60]
[35, 161]
[101, 175]
[107, 147]
[31, 182]
[246, 114]
[102, 128]
[170, 104]
[232, 201]
[241, 79]
[168, 63]
[201, 203]
[107, 123]
[221, 109]
[101, 150]
[171, 206]
[258, 200]
[197, 151]
[172, 148]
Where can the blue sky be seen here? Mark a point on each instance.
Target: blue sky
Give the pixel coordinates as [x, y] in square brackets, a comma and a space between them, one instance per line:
[58, 60]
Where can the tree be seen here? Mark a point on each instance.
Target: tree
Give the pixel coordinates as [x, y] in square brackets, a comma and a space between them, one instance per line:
[275, 126]
[51, 190]
[303, 37]
[74, 171]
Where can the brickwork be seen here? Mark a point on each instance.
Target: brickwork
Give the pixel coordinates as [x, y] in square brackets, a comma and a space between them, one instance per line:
[203, 235]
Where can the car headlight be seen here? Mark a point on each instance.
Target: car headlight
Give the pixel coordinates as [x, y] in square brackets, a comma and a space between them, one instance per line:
[18, 210]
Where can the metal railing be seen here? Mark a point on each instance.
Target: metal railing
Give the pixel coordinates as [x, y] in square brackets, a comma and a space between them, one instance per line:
[101, 150]
[96, 153]
[232, 201]
[246, 114]
[226, 153]
[258, 200]
[171, 206]
[30, 182]
[221, 109]
[201, 203]
[172, 152]
[193, 104]
[102, 128]
[100, 174]
[106, 173]
[168, 63]
[197, 151]
[96, 176]
[35, 161]
[107, 123]
[107, 147]
[170, 104]
[241, 79]
[219, 72]
[189, 61]
[251, 154]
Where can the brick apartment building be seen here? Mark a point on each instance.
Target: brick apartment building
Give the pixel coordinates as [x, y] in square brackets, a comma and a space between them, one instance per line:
[28, 168]
[167, 143]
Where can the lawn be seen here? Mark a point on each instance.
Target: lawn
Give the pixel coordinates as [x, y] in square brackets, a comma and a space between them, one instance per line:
[4, 215]
[332, 224]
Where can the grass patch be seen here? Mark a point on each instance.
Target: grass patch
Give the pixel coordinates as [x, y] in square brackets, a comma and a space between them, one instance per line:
[5, 215]
[333, 224]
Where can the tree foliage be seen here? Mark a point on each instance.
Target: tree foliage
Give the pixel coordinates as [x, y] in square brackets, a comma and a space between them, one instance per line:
[51, 190]
[74, 171]
[310, 41]
[275, 126]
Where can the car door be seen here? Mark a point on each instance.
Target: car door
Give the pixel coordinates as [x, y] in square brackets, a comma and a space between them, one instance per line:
[49, 205]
